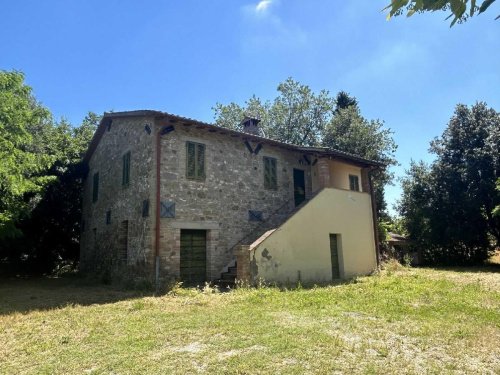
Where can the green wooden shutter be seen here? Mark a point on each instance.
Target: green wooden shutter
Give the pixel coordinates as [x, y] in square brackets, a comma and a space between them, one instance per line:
[273, 174]
[270, 173]
[190, 160]
[126, 169]
[200, 161]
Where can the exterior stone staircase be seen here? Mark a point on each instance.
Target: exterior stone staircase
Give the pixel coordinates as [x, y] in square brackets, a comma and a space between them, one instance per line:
[273, 221]
[227, 279]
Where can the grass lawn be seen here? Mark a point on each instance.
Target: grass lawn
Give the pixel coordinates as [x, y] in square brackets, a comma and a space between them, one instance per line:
[404, 322]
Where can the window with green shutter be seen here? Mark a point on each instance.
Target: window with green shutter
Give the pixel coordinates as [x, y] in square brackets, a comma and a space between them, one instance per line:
[95, 187]
[195, 160]
[270, 173]
[126, 169]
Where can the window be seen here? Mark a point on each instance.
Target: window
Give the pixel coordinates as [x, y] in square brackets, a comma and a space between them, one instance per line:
[353, 182]
[195, 160]
[126, 169]
[108, 217]
[95, 187]
[270, 173]
[145, 208]
[123, 241]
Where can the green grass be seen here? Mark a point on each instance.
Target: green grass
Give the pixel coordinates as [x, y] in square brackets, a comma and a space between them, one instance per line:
[403, 322]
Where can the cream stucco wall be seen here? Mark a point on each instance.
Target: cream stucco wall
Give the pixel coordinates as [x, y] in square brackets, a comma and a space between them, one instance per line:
[339, 174]
[300, 248]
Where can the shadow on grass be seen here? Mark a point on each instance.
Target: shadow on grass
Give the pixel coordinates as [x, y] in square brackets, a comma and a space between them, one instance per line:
[486, 268]
[23, 295]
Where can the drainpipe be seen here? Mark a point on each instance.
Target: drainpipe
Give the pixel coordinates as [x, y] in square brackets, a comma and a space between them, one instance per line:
[157, 226]
[374, 214]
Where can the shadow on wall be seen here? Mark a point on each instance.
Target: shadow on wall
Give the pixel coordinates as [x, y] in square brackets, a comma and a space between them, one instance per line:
[25, 295]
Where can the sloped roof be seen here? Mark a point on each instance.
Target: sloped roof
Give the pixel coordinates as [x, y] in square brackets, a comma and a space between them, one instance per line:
[214, 128]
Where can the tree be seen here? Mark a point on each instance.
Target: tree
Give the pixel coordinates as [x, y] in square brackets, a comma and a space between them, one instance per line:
[460, 9]
[297, 115]
[48, 235]
[448, 207]
[343, 100]
[23, 167]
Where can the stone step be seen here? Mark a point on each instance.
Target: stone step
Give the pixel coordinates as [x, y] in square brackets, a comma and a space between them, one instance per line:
[228, 276]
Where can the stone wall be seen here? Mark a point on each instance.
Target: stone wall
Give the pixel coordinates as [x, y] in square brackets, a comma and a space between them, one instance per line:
[101, 242]
[234, 184]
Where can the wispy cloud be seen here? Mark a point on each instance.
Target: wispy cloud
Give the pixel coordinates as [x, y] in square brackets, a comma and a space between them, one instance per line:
[265, 28]
[262, 6]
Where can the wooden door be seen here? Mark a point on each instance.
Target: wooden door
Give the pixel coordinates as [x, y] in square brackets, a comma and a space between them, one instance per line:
[193, 256]
[334, 252]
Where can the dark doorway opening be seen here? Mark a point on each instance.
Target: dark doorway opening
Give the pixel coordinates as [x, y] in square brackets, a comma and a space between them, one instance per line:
[193, 267]
[299, 186]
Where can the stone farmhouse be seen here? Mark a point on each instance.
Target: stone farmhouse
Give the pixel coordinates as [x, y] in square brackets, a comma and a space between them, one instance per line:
[186, 200]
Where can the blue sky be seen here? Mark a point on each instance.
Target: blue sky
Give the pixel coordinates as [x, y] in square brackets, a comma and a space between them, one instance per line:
[184, 56]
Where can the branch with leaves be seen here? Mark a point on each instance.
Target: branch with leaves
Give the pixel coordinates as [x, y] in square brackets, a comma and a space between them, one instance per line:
[460, 9]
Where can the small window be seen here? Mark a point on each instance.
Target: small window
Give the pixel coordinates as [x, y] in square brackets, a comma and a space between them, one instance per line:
[195, 161]
[145, 208]
[353, 182]
[95, 187]
[108, 217]
[123, 241]
[270, 173]
[126, 169]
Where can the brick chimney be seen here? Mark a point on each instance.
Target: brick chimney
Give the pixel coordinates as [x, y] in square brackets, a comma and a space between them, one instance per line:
[250, 125]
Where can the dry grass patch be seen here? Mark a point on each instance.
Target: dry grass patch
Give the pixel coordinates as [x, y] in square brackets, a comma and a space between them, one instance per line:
[410, 321]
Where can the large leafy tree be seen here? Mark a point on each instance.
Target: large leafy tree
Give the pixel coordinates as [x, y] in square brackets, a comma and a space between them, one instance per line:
[40, 180]
[448, 207]
[460, 9]
[23, 125]
[48, 235]
[297, 115]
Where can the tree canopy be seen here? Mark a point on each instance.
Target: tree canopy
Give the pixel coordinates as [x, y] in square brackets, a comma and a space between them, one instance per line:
[40, 179]
[460, 9]
[448, 207]
[25, 157]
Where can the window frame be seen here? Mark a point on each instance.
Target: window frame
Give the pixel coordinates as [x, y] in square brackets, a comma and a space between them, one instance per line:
[198, 175]
[354, 179]
[270, 183]
[126, 158]
[95, 187]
